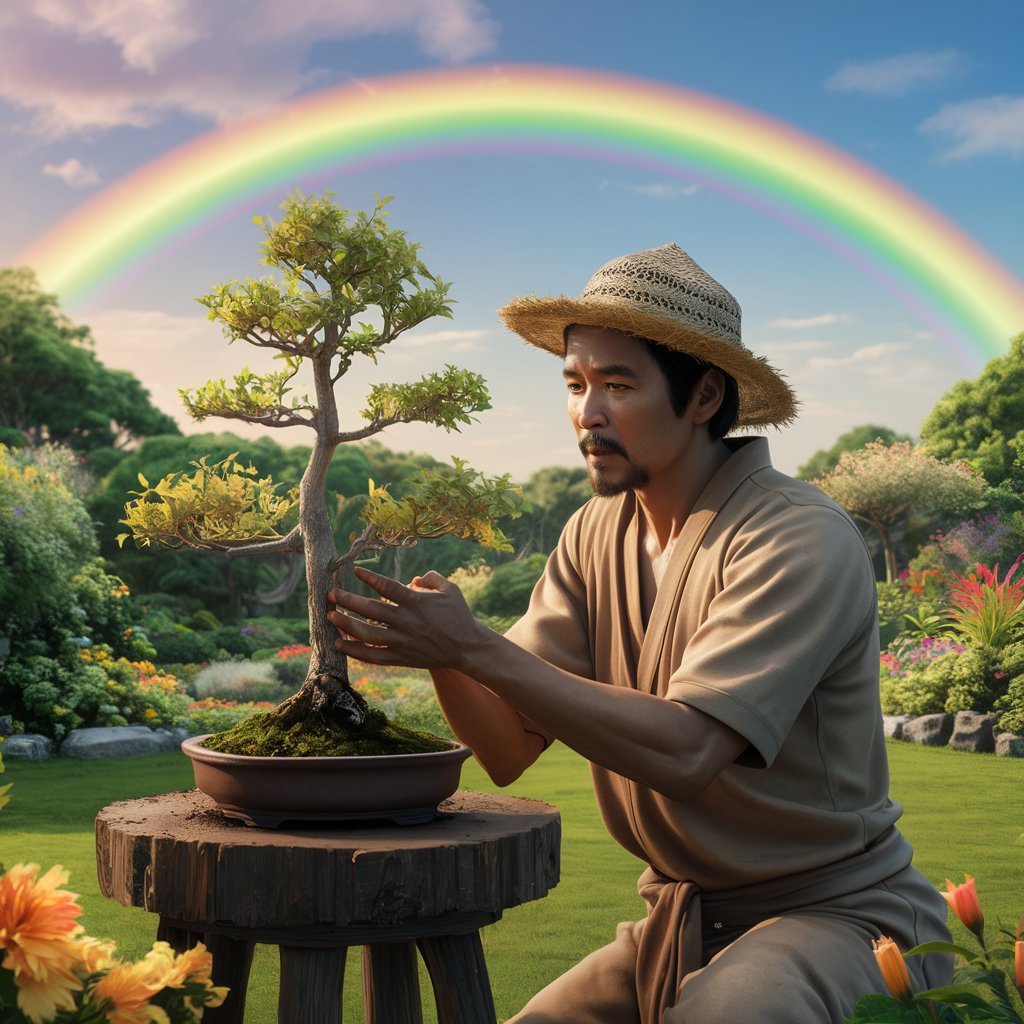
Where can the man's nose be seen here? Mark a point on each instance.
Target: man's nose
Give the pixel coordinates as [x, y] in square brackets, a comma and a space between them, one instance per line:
[591, 412]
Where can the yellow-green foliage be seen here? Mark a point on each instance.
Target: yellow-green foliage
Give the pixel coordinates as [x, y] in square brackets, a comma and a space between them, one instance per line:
[464, 503]
[444, 400]
[252, 393]
[216, 506]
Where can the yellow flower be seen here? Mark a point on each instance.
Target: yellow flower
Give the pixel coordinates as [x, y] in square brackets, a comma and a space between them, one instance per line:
[37, 934]
[95, 955]
[4, 799]
[894, 968]
[124, 992]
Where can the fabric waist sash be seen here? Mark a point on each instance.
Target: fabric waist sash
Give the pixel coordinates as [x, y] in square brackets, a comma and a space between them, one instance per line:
[671, 941]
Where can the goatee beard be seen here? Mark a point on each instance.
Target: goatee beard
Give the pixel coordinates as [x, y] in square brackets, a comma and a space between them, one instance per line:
[634, 477]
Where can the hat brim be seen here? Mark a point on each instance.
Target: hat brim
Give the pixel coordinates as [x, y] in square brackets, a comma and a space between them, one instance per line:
[765, 397]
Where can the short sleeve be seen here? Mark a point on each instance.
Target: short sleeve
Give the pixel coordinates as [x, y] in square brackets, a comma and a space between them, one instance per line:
[555, 626]
[797, 599]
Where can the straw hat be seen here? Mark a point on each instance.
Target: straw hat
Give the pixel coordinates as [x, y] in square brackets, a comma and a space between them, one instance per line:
[662, 294]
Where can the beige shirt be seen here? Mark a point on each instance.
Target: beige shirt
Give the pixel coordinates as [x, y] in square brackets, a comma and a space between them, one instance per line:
[766, 620]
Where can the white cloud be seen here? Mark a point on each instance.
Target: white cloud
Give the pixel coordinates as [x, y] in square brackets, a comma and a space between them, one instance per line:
[801, 323]
[460, 341]
[803, 345]
[896, 76]
[665, 190]
[73, 172]
[83, 65]
[991, 125]
[861, 356]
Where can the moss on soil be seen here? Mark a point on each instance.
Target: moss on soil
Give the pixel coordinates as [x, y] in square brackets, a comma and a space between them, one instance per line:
[258, 737]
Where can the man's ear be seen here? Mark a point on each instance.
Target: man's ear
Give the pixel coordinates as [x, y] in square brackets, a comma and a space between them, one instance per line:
[709, 393]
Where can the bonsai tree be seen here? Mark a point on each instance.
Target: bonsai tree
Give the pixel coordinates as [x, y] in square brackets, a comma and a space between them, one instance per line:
[334, 267]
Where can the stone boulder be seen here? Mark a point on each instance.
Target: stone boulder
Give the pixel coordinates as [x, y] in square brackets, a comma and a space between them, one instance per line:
[116, 741]
[973, 731]
[931, 730]
[27, 747]
[1009, 744]
[892, 725]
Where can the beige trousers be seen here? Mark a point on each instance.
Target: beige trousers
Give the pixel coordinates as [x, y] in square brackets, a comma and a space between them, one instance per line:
[805, 966]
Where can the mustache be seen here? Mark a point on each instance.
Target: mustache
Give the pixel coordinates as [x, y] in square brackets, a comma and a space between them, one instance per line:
[596, 443]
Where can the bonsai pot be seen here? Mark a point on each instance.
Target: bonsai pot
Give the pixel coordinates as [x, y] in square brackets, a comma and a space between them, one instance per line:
[267, 791]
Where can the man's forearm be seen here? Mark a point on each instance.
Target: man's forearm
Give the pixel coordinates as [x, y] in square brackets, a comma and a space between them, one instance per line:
[487, 724]
[670, 747]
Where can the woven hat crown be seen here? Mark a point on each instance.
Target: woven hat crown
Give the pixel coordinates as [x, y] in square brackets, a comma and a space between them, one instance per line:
[667, 282]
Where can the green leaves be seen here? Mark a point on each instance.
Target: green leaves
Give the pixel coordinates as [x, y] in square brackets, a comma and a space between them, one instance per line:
[252, 395]
[215, 507]
[445, 399]
[463, 503]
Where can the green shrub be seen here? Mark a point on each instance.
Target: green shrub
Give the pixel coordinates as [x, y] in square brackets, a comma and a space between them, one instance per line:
[184, 644]
[1010, 706]
[264, 654]
[291, 672]
[946, 678]
[508, 590]
[203, 621]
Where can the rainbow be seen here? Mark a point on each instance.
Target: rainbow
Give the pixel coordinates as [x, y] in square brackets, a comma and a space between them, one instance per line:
[945, 277]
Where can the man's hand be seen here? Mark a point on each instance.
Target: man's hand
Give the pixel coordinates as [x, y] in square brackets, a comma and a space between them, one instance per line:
[424, 625]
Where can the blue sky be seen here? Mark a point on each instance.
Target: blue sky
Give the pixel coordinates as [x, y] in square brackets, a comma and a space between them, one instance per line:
[930, 94]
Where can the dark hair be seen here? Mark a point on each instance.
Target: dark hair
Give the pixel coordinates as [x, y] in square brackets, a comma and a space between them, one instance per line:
[681, 374]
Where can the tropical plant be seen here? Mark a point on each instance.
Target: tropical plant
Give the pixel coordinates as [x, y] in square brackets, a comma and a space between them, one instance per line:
[335, 267]
[985, 609]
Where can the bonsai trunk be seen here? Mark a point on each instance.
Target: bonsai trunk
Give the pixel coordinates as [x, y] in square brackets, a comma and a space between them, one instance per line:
[326, 697]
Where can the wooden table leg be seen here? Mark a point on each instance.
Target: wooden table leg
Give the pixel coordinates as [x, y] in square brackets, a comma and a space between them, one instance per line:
[391, 984]
[232, 959]
[458, 973]
[179, 938]
[311, 981]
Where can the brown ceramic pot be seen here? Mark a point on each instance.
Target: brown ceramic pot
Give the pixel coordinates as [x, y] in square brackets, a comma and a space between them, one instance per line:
[267, 791]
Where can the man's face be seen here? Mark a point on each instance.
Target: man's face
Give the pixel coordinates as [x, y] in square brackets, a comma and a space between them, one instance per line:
[619, 406]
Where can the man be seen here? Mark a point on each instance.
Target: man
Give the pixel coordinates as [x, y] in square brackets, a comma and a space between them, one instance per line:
[705, 634]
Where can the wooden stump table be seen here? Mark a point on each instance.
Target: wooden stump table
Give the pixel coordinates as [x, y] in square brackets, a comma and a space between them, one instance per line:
[313, 892]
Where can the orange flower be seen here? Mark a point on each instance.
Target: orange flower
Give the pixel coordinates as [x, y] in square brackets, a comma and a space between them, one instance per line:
[124, 992]
[963, 899]
[894, 968]
[37, 934]
[1018, 966]
[95, 955]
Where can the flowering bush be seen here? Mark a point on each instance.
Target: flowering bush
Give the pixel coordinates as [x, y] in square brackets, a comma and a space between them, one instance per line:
[405, 696]
[982, 539]
[51, 972]
[983, 989]
[88, 686]
[213, 714]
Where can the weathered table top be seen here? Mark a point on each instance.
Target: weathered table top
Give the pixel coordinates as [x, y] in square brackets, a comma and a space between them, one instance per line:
[176, 855]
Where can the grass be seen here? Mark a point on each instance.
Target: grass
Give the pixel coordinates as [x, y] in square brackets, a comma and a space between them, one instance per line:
[962, 813]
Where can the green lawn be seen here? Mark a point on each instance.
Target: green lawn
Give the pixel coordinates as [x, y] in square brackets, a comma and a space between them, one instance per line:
[963, 812]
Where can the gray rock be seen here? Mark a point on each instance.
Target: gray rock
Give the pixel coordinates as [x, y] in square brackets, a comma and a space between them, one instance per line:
[892, 725]
[27, 747]
[1009, 744]
[113, 741]
[972, 731]
[173, 737]
[931, 730]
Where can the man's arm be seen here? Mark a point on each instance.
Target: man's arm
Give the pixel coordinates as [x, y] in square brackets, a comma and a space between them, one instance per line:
[488, 725]
[670, 747]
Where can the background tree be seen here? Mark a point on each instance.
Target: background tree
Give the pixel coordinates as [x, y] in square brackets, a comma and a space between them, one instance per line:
[52, 386]
[824, 460]
[334, 268]
[981, 421]
[885, 484]
[553, 493]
